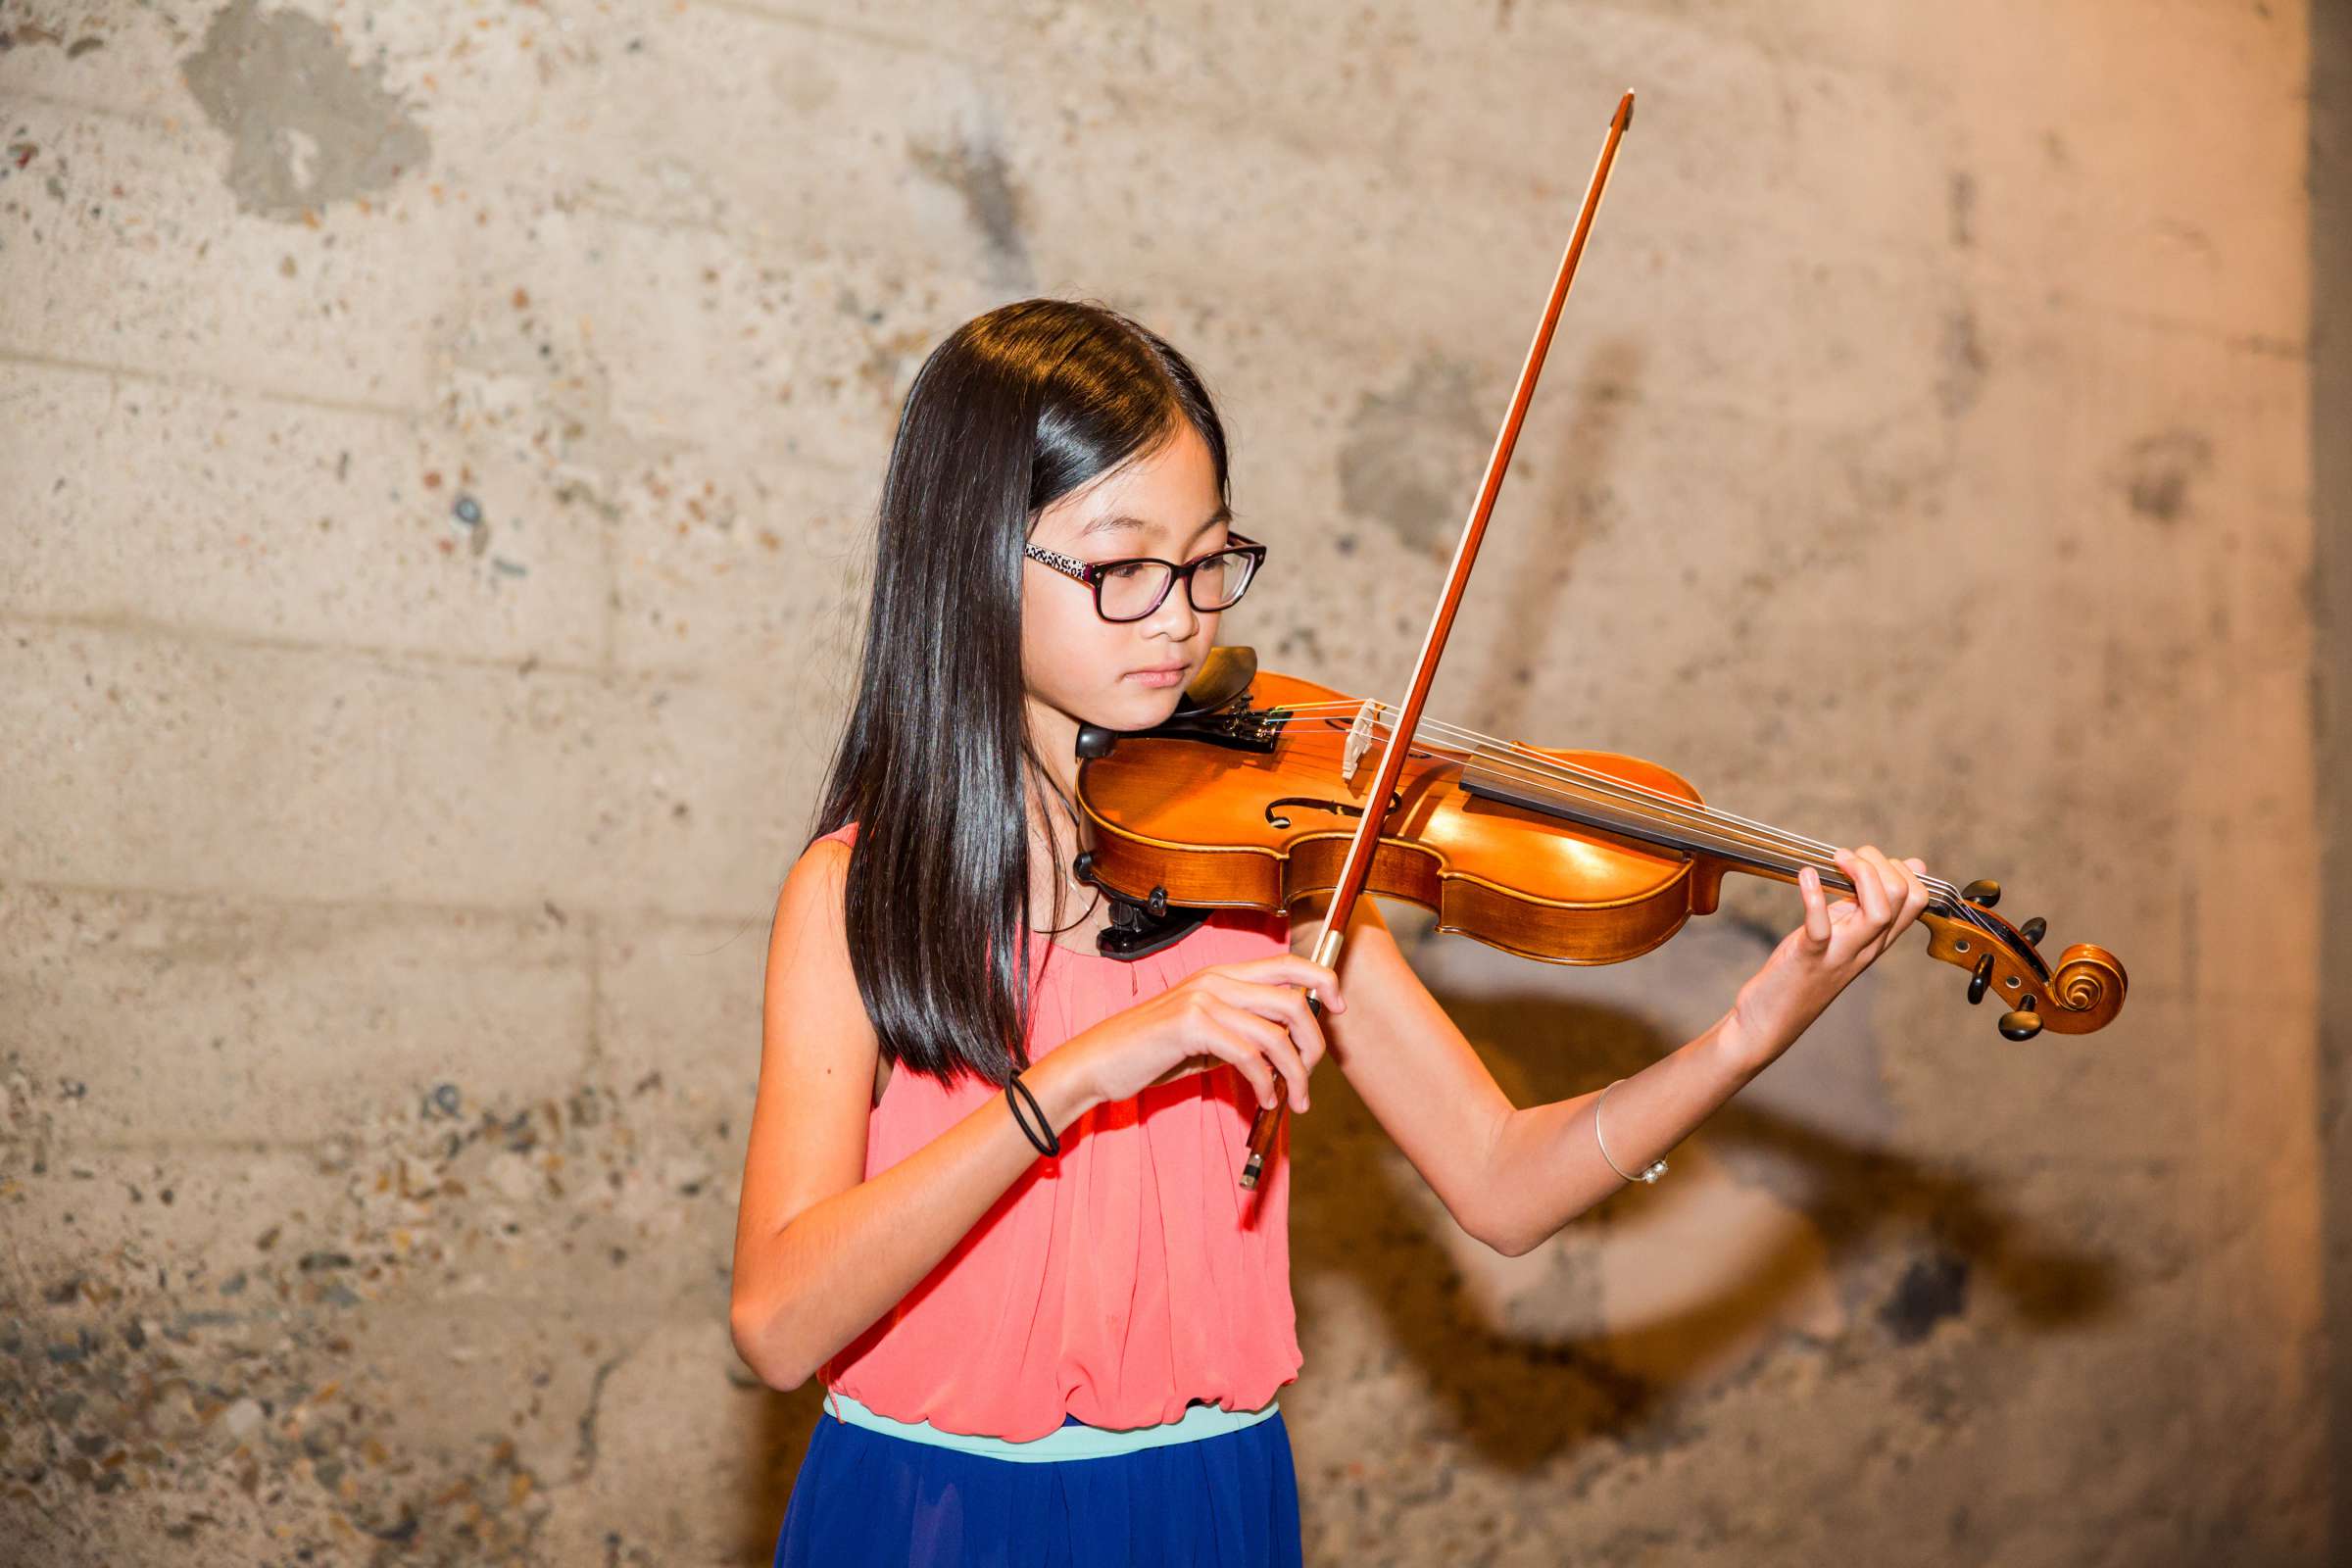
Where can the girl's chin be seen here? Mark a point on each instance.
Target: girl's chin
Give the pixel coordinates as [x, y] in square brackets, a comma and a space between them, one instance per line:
[1132, 704]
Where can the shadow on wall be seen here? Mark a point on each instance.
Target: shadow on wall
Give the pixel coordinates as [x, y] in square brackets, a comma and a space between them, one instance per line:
[1523, 1398]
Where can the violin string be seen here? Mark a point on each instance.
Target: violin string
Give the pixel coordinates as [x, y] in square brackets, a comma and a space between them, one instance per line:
[1608, 781]
[1745, 846]
[1605, 781]
[1639, 794]
[1751, 847]
[1742, 833]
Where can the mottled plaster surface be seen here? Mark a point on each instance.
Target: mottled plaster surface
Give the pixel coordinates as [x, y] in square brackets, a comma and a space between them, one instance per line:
[440, 444]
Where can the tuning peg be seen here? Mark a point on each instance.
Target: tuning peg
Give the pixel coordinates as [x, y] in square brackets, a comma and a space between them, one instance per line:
[2032, 929]
[2023, 1024]
[1983, 893]
[1980, 980]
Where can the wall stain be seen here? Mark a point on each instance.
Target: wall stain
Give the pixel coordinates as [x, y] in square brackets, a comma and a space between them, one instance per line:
[307, 126]
[2159, 470]
[1963, 201]
[1962, 382]
[1412, 455]
[1931, 1290]
[33, 33]
[976, 170]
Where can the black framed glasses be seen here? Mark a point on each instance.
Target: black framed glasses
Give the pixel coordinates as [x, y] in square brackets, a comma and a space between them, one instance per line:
[1132, 588]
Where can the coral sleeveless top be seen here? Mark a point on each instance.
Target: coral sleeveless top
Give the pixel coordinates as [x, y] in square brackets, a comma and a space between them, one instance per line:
[1117, 1282]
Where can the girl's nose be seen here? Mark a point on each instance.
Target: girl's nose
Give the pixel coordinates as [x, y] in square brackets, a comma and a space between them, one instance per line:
[1175, 617]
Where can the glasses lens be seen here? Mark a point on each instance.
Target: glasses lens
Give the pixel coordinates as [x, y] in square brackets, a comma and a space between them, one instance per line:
[1133, 589]
[1218, 581]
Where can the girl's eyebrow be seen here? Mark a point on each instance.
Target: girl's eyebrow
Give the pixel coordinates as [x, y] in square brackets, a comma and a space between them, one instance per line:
[1119, 522]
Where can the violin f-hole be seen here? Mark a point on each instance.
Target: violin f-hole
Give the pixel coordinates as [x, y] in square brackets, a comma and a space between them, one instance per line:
[1339, 807]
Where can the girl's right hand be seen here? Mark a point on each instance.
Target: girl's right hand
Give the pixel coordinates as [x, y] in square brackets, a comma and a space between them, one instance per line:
[1252, 1015]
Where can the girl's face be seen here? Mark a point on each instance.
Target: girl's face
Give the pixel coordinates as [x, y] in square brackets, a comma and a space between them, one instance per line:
[1165, 504]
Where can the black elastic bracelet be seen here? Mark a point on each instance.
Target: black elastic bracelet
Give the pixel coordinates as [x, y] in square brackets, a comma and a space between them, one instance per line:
[1049, 1142]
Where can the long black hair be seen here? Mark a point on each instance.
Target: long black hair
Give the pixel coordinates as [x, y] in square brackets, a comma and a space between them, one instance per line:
[1014, 409]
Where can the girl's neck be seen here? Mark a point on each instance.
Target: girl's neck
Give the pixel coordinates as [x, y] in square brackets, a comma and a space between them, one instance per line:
[1058, 903]
[1057, 832]
[1054, 734]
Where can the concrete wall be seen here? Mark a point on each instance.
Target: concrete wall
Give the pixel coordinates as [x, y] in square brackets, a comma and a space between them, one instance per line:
[439, 440]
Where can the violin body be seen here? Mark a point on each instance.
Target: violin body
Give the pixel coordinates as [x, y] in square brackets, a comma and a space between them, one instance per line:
[1221, 828]
[1251, 794]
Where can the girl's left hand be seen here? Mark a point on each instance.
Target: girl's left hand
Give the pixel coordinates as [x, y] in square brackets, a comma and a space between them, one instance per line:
[1821, 958]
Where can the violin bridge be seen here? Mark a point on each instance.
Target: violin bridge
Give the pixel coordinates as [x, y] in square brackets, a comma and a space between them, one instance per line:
[1359, 741]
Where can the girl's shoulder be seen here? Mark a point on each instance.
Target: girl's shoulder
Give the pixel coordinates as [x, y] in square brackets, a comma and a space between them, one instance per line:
[827, 867]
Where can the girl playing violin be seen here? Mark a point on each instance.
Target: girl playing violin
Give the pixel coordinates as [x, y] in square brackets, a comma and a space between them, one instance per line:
[990, 1197]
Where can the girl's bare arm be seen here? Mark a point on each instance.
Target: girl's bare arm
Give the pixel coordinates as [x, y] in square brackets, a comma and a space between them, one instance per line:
[1509, 1176]
[821, 1253]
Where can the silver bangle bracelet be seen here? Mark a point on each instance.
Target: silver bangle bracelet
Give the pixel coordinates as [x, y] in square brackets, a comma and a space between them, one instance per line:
[1657, 1167]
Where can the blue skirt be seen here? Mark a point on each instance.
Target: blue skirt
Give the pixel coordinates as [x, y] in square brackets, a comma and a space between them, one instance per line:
[869, 1499]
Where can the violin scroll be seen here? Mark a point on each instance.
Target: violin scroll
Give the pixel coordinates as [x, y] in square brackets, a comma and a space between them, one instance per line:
[2083, 994]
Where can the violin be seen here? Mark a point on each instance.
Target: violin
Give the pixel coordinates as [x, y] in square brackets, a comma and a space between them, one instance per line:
[1248, 797]
[1254, 794]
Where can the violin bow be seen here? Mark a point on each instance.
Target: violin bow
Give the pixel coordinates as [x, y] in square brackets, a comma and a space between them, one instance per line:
[1360, 849]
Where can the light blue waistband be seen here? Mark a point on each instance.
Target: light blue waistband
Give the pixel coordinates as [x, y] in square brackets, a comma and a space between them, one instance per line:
[1063, 1443]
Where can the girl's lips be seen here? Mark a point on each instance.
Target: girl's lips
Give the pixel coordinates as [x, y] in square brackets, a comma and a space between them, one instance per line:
[1155, 677]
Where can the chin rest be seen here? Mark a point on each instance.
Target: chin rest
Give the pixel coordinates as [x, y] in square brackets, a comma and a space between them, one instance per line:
[1146, 924]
